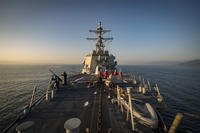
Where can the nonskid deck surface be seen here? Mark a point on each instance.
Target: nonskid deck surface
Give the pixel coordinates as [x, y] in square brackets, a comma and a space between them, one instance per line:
[68, 103]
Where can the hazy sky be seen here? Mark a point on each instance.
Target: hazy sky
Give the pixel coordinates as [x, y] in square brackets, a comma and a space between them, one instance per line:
[144, 31]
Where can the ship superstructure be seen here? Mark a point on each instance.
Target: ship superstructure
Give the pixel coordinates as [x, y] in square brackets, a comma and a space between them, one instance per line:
[99, 58]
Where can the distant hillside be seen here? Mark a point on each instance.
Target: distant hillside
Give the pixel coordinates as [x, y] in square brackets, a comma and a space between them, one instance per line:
[192, 63]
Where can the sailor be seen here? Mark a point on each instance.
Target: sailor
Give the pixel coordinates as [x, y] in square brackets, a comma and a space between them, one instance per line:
[115, 72]
[99, 73]
[99, 76]
[64, 78]
[57, 82]
[121, 75]
[105, 74]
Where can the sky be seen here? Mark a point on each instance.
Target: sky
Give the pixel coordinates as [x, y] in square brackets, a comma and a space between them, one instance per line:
[55, 32]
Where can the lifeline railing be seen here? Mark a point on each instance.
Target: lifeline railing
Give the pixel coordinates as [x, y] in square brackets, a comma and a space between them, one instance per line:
[48, 95]
[121, 104]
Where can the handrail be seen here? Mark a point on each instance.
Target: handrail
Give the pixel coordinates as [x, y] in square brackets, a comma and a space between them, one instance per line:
[33, 96]
[32, 104]
[21, 115]
[33, 101]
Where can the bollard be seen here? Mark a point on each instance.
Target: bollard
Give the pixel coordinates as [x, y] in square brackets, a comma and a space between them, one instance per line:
[26, 110]
[72, 125]
[87, 130]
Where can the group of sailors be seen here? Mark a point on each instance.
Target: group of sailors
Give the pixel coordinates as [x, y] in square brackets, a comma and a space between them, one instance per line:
[57, 79]
[105, 74]
[101, 75]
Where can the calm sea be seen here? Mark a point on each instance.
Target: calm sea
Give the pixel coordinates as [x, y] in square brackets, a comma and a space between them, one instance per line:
[179, 85]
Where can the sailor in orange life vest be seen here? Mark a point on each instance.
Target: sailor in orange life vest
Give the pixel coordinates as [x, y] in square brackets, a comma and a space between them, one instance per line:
[99, 73]
[105, 74]
[115, 73]
[121, 75]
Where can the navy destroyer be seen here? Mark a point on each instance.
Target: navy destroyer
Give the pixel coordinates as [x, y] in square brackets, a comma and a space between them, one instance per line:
[101, 99]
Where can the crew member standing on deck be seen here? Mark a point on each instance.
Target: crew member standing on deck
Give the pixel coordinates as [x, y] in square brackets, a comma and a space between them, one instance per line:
[105, 74]
[64, 78]
[99, 76]
[99, 73]
[115, 72]
[121, 75]
[57, 80]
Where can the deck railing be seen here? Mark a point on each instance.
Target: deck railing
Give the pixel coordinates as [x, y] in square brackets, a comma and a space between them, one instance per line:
[48, 95]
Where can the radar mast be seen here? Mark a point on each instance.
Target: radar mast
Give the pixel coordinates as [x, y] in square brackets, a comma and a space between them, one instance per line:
[100, 44]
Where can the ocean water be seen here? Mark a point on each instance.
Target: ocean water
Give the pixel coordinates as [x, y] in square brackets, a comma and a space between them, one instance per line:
[179, 85]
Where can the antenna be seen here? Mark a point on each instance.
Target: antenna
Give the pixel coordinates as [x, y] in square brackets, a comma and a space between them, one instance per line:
[100, 31]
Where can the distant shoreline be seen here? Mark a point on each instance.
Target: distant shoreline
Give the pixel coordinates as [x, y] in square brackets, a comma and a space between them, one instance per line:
[191, 63]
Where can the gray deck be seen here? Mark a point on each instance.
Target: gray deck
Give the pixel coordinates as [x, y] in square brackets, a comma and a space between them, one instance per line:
[68, 103]
[49, 117]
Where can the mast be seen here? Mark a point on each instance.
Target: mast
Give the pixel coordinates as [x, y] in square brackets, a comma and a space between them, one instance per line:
[100, 39]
